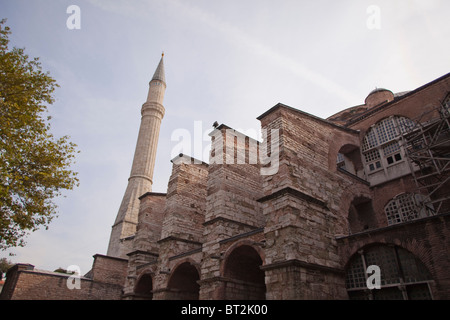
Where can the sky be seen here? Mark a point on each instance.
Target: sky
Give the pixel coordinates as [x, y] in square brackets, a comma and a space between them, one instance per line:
[225, 61]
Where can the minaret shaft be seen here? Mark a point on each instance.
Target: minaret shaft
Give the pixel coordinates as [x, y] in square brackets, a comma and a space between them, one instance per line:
[141, 176]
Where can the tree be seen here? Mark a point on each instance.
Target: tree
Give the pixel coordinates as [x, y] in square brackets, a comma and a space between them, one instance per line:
[34, 165]
[5, 264]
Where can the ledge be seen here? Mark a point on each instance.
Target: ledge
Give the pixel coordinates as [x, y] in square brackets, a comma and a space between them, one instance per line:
[392, 227]
[228, 220]
[313, 117]
[185, 159]
[158, 194]
[301, 264]
[353, 176]
[242, 235]
[185, 254]
[142, 252]
[172, 238]
[296, 193]
[95, 256]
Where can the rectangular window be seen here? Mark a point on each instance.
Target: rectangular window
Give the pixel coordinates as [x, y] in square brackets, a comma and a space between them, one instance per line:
[390, 160]
[391, 148]
[405, 124]
[375, 165]
[386, 131]
[371, 155]
[370, 140]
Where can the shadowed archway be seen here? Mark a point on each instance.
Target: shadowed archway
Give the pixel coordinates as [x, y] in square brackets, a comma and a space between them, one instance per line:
[245, 277]
[183, 283]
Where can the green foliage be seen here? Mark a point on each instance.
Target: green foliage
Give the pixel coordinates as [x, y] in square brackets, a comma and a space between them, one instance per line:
[34, 165]
[61, 270]
[5, 264]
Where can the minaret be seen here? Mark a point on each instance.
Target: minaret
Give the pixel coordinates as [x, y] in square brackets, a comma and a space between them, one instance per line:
[141, 176]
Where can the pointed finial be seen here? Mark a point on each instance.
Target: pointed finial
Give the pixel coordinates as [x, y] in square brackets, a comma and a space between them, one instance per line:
[159, 73]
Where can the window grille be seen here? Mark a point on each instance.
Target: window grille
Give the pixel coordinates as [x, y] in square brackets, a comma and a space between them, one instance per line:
[403, 276]
[407, 207]
[382, 141]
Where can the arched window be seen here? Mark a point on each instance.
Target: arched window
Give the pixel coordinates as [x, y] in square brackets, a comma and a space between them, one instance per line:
[402, 275]
[447, 103]
[183, 283]
[380, 145]
[245, 278]
[349, 160]
[407, 207]
[144, 288]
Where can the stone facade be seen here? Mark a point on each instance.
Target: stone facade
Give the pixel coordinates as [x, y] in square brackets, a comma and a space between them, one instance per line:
[230, 232]
[105, 282]
[141, 176]
[231, 229]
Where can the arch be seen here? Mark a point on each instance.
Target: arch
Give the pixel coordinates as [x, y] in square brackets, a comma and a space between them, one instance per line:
[183, 282]
[144, 287]
[340, 142]
[243, 273]
[383, 149]
[402, 275]
[354, 195]
[361, 215]
[446, 101]
[407, 206]
[349, 159]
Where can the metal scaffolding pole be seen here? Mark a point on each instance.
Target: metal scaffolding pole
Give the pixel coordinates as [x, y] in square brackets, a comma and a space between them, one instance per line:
[427, 148]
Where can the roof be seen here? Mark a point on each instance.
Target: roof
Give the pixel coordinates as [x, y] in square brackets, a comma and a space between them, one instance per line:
[397, 97]
[351, 115]
[378, 90]
[159, 73]
[324, 121]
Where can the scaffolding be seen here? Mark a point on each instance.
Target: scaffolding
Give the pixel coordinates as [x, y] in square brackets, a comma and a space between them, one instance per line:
[427, 148]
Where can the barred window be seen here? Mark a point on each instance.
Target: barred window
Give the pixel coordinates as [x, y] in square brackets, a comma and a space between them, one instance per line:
[403, 276]
[381, 139]
[386, 130]
[447, 103]
[372, 155]
[340, 161]
[370, 140]
[406, 207]
[391, 148]
[405, 124]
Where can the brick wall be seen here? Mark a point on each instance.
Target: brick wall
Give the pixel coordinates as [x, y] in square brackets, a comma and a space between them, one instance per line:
[428, 239]
[26, 283]
[185, 205]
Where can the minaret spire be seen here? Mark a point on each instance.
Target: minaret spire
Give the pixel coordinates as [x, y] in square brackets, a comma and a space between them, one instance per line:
[141, 176]
[159, 72]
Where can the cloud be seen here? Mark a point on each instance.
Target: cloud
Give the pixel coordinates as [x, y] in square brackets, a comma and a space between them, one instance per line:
[238, 37]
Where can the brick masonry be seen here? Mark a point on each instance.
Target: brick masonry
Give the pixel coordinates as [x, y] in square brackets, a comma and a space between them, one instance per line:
[227, 231]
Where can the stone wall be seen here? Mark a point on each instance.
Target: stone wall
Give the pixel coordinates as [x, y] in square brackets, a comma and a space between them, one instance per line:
[428, 239]
[24, 282]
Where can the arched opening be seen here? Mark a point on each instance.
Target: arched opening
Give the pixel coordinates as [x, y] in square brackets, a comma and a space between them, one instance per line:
[349, 160]
[361, 215]
[406, 207]
[144, 288]
[383, 149]
[245, 277]
[183, 283]
[402, 276]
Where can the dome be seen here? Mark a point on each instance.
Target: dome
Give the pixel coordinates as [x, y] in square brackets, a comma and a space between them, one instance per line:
[378, 96]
